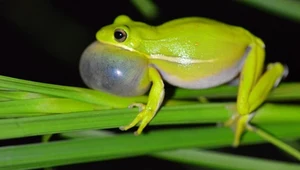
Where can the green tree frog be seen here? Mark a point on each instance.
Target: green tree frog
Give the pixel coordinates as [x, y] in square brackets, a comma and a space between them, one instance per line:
[192, 53]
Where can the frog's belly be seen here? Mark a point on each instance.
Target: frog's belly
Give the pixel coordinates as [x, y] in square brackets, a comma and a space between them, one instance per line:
[202, 82]
[200, 74]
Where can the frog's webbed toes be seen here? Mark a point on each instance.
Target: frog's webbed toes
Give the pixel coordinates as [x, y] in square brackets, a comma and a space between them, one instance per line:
[143, 118]
[239, 124]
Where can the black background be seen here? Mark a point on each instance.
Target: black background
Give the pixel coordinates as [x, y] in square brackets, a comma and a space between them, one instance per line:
[42, 40]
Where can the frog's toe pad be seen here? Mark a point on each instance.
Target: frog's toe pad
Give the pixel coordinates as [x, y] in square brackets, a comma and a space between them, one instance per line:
[138, 119]
[123, 128]
[141, 106]
[239, 124]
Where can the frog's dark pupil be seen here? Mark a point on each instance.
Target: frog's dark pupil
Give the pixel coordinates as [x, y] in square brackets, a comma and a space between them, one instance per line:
[119, 35]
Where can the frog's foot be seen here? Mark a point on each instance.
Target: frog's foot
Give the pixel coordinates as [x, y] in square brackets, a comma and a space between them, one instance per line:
[239, 124]
[144, 117]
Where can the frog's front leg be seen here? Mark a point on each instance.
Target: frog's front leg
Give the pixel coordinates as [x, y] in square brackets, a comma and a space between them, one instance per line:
[148, 111]
[254, 88]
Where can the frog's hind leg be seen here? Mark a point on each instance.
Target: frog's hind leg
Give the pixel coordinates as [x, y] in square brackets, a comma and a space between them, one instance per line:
[254, 88]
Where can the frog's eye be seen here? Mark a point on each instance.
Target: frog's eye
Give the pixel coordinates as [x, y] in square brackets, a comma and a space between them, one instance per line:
[120, 35]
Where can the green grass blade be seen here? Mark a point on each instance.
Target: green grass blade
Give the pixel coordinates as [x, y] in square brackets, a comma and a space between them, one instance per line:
[222, 160]
[201, 157]
[197, 157]
[19, 108]
[81, 94]
[107, 119]
[19, 95]
[127, 145]
[147, 8]
[277, 113]
[42, 106]
[286, 8]
[277, 142]
[184, 114]
[284, 92]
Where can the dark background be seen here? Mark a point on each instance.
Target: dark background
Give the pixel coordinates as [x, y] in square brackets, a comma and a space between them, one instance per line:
[42, 40]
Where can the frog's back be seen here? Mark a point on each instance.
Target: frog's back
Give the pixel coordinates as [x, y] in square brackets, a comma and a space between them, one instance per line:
[204, 52]
[198, 38]
[196, 28]
[190, 20]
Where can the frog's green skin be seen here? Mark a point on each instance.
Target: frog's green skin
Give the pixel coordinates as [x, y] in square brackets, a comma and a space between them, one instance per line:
[194, 53]
[183, 47]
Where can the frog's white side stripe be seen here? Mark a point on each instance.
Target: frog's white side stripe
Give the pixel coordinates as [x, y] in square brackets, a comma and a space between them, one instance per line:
[180, 60]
